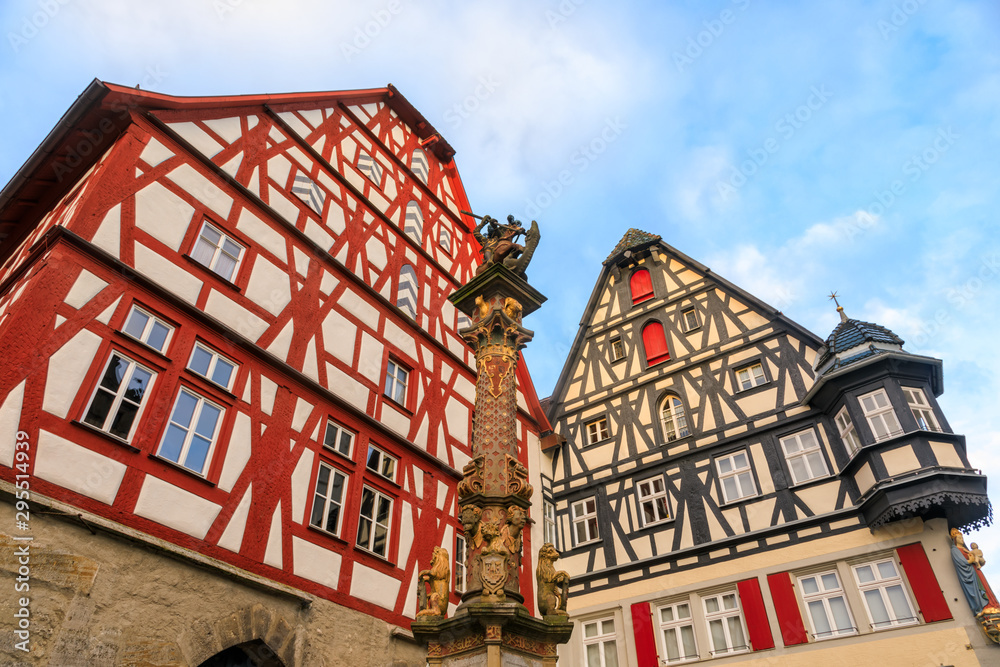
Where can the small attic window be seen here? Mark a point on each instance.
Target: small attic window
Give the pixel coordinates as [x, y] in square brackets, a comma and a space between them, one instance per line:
[641, 286]
[420, 165]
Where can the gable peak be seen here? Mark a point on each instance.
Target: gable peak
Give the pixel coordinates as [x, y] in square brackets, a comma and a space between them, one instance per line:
[634, 239]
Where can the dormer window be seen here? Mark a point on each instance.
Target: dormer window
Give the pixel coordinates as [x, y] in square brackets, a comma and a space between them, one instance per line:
[641, 286]
[921, 409]
[880, 416]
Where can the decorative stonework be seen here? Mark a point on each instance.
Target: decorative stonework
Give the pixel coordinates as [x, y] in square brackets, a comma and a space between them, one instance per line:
[438, 577]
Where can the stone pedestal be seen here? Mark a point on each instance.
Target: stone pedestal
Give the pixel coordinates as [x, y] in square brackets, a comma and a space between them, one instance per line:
[491, 626]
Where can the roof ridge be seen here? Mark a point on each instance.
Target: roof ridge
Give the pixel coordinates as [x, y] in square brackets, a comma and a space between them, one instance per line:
[634, 237]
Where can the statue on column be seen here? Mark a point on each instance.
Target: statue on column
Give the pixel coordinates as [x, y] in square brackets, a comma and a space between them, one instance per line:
[979, 595]
[500, 244]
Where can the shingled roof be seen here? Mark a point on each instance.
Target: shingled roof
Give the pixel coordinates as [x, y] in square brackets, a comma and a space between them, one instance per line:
[634, 239]
[851, 334]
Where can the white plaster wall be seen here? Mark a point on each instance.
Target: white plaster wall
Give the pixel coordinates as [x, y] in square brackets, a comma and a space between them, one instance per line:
[162, 214]
[175, 508]
[316, 563]
[373, 586]
[67, 368]
[76, 468]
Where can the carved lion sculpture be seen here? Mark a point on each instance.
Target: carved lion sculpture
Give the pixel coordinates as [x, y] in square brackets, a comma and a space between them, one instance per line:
[552, 585]
[439, 577]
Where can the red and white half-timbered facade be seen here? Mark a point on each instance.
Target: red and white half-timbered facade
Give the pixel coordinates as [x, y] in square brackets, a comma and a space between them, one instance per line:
[224, 324]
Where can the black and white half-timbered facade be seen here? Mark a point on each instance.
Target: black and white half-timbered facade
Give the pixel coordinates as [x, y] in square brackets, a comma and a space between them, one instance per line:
[731, 488]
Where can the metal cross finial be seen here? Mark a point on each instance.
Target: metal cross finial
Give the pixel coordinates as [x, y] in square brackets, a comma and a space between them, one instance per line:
[833, 295]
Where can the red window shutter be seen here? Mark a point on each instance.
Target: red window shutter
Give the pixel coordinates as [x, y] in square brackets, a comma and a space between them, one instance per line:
[758, 626]
[925, 585]
[655, 343]
[787, 607]
[645, 643]
[641, 285]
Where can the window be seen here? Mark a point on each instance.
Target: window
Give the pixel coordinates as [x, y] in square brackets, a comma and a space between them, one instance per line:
[406, 293]
[735, 476]
[217, 251]
[641, 286]
[689, 319]
[597, 430]
[444, 239]
[549, 534]
[338, 438]
[725, 624]
[118, 398]
[921, 409]
[804, 456]
[677, 631]
[617, 348]
[585, 521]
[368, 166]
[413, 222]
[823, 597]
[311, 194]
[191, 431]
[420, 165]
[880, 416]
[329, 499]
[655, 342]
[373, 524]
[459, 563]
[885, 598]
[395, 382]
[672, 417]
[381, 463]
[148, 329]
[600, 643]
[652, 501]
[847, 431]
[749, 377]
[213, 366]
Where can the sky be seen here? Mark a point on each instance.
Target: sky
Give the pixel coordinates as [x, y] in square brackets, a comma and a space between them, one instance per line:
[794, 148]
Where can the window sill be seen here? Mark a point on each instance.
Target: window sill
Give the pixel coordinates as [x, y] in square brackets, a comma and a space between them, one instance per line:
[650, 527]
[602, 441]
[378, 559]
[399, 406]
[107, 436]
[655, 361]
[146, 347]
[692, 329]
[231, 285]
[750, 390]
[187, 471]
[326, 533]
[733, 503]
[810, 482]
[618, 360]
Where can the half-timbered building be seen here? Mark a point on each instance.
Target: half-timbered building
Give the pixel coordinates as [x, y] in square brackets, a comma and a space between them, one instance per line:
[732, 488]
[234, 406]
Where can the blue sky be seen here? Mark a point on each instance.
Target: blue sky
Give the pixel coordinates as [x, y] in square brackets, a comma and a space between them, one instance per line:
[794, 149]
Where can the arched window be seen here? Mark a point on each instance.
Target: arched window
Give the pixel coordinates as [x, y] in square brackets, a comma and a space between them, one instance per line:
[641, 285]
[420, 165]
[672, 417]
[444, 239]
[655, 342]
[406, 295]
[413, 222]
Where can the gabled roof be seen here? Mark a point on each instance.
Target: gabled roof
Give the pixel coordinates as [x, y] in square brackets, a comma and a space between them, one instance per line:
[103, 112]
[634, 239]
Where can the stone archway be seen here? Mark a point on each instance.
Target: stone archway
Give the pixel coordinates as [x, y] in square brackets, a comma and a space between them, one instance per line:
[250, 637]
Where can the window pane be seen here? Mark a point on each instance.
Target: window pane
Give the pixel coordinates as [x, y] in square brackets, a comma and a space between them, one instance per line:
[158, 336]
[322, 480]
[136, 323]
[137, 384]
[593, 655]
[113, 375]
[388, 467]
[729, 602]
[316, 518]
[730, 487]
[364, 532]
[683, 611]
[590, 630]
[670, 640]
[184, 410]
[223, 372]
[820, 622]
[367, 503]
[880, 615]
[830, 582]
[607, 627]
[687, 638]
[712, 605]
[207, 421]
[718, 633]
[809, 586]
[172, 443]
[200, 360]
[798, 468]
[225, 265]
[197, 453]
[865, 574]
[736, 632]
[373, 457]
[332, 517]
[746, 483]
[841, 616]
[379, 543]
[345, 443]
[384, 508]
[337, 492]
[886, 570]
[203, 252]
[99, 408]
[666, 614]
[122, 423]
[610, 654]
[900, 605]
[232, 249]
[725, 465]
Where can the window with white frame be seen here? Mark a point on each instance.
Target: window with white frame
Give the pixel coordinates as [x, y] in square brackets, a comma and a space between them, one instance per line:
[617, 348]
[374, 521]
[147, 328]
[921, 409]
[597, 430]
[191, 432]
[725, 624]
[407, 294]
[689, 319]
[750, 376]
[211, 365]
[338, 438]
[309, 192]
[677, 631]
[847, 431]
[420, 165]
[549, 534]
[444, 239]
[396, 378]
[117, 401]
[735, 476]
[804, 456]
[460, 563]
[217, 251]
[584, 516]
[381, 463]
[413, 222]
[653, 506]
[673, 419]
[600, 643]
[886, 600]
[328, 499]
[824, 599]
[880, 415]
